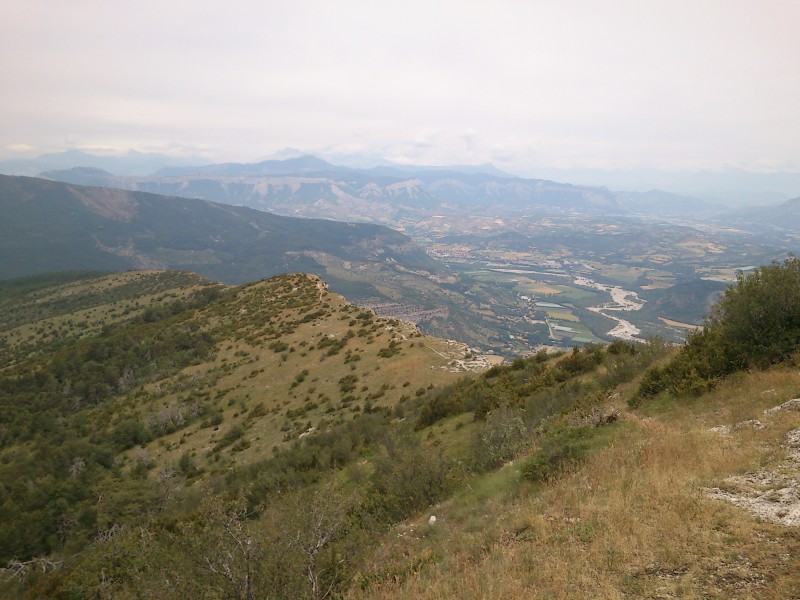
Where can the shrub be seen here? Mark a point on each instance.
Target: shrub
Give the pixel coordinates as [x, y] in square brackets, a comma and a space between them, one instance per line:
[500, 438]
[348, 383]
[409, 477]
[756, 324]
[233, 434]
[278, 346]
[561, 448]
[446, 403]
[621, 347]
[580, 361]
[392, 349]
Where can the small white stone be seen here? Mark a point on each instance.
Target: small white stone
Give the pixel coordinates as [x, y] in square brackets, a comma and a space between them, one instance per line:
[432, 520]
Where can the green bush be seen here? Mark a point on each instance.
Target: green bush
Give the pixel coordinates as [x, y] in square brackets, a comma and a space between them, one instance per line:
[499, 439]
[621, 347]
[278, 346]
[409, 477]
[559, 449]
[580, 361]
[756, 324]
[445, 403]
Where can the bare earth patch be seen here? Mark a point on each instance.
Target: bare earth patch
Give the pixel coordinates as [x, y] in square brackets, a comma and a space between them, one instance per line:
[771, 494]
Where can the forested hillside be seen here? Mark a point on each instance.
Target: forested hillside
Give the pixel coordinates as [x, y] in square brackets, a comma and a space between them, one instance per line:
[50, 226]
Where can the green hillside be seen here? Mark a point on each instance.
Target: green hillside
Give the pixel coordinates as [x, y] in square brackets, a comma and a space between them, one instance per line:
[117, 377]
[43, 312]
[50, 226]
[272, 441]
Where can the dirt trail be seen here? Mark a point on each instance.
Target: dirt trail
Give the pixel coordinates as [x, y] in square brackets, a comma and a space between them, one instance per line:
[455, 353]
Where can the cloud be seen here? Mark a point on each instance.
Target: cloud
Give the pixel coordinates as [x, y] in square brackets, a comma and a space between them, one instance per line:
[20, 148]
[577, 83]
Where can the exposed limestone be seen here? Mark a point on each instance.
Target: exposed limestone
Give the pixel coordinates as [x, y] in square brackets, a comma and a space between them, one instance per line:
[461, 359]
[772, 495]
[793, 404]
[602, 416]
[720, 429]
[754, 423]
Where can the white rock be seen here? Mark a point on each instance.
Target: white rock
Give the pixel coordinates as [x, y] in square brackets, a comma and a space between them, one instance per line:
[432, 520]
[792, 404]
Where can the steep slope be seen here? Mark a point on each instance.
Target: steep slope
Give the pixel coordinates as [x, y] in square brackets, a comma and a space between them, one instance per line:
[44, 312]
[688, 500]
[550, 477]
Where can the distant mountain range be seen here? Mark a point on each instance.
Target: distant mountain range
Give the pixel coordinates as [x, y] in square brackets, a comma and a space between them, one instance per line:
[303, 165]
[784, 217]
[309, 186]
[732, 188]
[696, 194]
[132, 163]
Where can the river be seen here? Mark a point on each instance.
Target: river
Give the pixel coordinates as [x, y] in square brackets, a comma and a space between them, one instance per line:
[621, 300]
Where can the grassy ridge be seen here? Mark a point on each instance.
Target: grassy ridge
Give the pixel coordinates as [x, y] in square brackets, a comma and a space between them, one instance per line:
[162, 372]
[373, 468]
[229, 477]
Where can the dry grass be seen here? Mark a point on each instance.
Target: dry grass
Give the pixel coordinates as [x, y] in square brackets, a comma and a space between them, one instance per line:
[244, 375]
[633, 522]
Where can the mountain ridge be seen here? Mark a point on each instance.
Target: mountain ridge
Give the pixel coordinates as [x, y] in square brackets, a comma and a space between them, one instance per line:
[223, 418]
[114, 214]
[312, 187]
[51, 226]
[131, 163]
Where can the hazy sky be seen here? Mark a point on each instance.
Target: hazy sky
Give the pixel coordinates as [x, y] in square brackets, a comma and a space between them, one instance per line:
[674, 84]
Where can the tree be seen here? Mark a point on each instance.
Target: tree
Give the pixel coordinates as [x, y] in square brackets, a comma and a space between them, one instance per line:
[223, 546]
[310, 523]
[499, 438]
[758, 319]
[756, 324]
[234, 559]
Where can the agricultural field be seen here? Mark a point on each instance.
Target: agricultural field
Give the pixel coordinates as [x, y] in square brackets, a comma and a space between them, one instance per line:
[550, 301]
[673, 272]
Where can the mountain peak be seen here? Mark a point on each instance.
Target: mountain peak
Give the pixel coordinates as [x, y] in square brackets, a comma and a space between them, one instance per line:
[300, 165]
